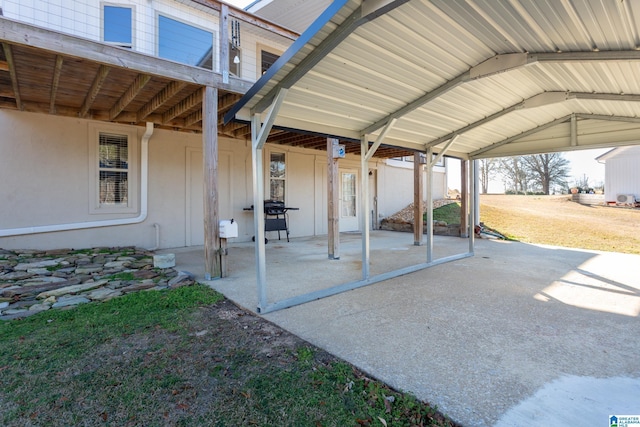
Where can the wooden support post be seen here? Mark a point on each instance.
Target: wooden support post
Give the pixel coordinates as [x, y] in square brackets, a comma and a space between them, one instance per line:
[464, 198]
[418, 188]
[333, 212]
[223, 257]
[210, 156]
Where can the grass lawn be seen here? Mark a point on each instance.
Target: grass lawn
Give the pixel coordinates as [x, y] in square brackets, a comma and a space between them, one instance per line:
[184, 357]
[448, 213]
[556, 220]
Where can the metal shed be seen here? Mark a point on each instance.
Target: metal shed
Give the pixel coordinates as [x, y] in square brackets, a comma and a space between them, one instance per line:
[472, 79]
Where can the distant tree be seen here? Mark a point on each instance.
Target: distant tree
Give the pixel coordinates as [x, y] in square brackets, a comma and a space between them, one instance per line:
[583, 182]
[514, 173]
[547, 170]
[488, 170]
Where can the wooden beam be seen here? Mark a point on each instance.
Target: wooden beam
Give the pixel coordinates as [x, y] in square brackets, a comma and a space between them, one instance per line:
[8, 53]
[211, 194]
[99, 79]
[418, 189]
[160, 99]
[185, 105]
[31, 36]
[130, 94]
[223, 31]
[55, 80]
[333, 201]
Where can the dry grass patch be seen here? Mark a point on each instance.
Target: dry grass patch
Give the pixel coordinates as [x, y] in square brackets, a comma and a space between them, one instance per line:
[556, 220]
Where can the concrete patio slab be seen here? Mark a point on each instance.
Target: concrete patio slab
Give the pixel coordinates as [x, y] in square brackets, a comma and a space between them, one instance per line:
[518, 335]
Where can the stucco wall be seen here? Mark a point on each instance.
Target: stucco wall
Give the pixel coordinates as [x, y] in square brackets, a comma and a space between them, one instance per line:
[46, 176]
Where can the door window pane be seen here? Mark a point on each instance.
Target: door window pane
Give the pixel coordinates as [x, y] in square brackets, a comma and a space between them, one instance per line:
[277, 175]
[348, 194]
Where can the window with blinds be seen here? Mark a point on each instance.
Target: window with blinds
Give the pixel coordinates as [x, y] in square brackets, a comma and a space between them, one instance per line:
[113, 169]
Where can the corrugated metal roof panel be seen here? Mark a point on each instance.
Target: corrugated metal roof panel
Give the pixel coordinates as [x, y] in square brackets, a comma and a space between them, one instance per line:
[419, 62]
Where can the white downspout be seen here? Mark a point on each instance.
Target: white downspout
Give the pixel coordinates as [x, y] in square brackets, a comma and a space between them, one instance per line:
[144, 193]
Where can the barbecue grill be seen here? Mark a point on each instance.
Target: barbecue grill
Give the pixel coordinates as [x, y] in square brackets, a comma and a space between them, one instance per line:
[275, 217]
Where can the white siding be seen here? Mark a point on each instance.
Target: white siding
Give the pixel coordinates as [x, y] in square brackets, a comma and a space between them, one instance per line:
[622, 175]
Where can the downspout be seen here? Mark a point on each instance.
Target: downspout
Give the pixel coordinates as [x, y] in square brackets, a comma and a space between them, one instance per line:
[144, 193]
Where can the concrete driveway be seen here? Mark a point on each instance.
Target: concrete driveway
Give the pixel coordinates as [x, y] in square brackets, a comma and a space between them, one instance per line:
[519, 335]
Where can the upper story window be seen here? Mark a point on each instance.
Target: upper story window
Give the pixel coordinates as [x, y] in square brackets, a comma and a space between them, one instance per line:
[117, 25]
[234, 60]
[266, 60]
[184, 43]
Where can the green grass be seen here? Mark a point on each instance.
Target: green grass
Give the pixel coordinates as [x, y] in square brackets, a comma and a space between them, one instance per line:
[143, 359]
[448, 213]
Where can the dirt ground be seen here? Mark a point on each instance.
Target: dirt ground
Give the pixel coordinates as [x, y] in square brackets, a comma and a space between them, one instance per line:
[556, 220]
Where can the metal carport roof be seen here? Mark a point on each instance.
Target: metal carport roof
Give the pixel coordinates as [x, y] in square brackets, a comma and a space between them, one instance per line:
[475, 78]
[509, 77]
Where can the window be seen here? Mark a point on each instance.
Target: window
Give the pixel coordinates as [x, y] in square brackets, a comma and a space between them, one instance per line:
[266, 60]
[117, 26]
[277, 177]
[113, 169]
[234, 60]
[184, 43]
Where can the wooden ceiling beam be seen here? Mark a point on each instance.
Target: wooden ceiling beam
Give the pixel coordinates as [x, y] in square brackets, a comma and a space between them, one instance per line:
[98, 81]
[130, 94]
[160, 99]
[8, 54]
[55, 81]
[194, 117]
[183, 106]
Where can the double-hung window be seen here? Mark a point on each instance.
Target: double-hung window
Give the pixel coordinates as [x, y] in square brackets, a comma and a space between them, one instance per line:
[117, 25]
[114, 170]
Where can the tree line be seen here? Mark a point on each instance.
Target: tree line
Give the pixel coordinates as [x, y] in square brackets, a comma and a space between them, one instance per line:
[537, 173]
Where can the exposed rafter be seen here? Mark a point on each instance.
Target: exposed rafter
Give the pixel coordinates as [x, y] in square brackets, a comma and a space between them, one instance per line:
[8, 53]
[98, 81]
[55, 81]
[183, 106]
[160, 99]
[130, 94]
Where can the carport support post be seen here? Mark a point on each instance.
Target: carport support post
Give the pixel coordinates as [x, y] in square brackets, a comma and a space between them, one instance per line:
[429, 203]
[332, 201]
[472, 201]
[418, 186]
[258, 213]
[464, 198]
[364, 177]
[210, 165]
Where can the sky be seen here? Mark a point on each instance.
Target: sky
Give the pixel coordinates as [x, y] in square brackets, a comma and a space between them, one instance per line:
[239, 3]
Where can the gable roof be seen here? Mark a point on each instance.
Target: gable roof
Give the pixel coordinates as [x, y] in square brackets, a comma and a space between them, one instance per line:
[498, 77]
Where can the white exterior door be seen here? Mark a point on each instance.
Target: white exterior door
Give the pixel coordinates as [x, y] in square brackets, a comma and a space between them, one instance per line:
[349, 208]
